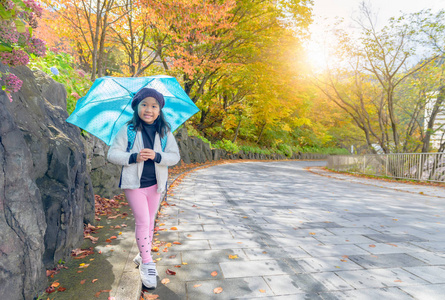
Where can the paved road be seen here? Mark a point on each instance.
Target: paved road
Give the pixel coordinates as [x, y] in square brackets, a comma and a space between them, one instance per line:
[276, 231]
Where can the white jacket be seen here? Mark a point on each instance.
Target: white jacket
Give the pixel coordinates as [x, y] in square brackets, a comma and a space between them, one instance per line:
[132, 173]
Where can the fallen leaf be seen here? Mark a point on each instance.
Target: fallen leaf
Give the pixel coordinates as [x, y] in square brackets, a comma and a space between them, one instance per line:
[165, 281]
[218, 290]
[50, 290]
[108, 240]
[233, 256]
[337, 267]
[312, 233]
[170, 272]
[162, 224]
[114, 217]
[61, 289]
[173, 228]
[177, 243]
[372, 246]
[92, 238]
[264, 252]
[83, 266]
[165, 250]
[262, 291]
[94, 280]
[214, 273]
[343, 260]
[82, 281]
[345, 256]
[172, 256]
[113, 237]
[177, 266]
[184, 263]
[55, 284]
[150, 297]
[397, 280]
[97, 295]
[155, 249]
[393, 245]
[197, 285]
[189, 235]
[168, 245]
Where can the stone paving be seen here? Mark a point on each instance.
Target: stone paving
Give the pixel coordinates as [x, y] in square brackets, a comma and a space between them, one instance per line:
[277, 231]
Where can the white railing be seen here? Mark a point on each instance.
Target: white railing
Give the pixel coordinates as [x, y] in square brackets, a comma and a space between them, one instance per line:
[412, 166]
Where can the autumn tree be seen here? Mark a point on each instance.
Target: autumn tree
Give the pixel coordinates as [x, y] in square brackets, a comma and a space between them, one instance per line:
[369, 82]
[87, 24]
[217, 61]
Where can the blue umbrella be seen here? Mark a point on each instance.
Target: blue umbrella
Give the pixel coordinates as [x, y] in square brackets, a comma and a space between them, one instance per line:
[107, 105]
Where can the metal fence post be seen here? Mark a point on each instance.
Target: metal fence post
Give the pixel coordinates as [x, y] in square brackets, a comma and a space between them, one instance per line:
[419, 171]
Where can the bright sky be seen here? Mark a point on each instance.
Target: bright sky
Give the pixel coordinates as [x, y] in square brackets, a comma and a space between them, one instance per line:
[325, 12]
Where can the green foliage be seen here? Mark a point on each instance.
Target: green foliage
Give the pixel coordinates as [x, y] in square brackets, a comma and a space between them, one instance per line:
[227, 145]
[326, 150]
[251, 149]
[76, 81]
[285, 150]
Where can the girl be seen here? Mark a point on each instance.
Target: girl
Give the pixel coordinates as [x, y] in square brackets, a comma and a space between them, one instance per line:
[145, 170]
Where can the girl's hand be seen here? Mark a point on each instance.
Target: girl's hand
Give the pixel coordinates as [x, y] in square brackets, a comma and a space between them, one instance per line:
[145, 155]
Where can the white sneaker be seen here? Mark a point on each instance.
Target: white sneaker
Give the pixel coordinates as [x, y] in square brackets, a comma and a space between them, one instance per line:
[138, 261]
[148, 275]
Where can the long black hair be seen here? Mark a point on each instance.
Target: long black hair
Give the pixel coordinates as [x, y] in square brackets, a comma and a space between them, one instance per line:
[162, 126]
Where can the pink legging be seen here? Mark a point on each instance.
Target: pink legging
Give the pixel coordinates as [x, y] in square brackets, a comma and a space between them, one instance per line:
[144, 204]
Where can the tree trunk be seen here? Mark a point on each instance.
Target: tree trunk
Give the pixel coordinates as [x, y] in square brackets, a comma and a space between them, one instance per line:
[236, 131]
[436, 109]
[261, 133]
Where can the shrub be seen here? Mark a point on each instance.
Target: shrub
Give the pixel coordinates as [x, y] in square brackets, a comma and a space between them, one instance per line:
[227, 145]
[285, 150]
[61, 67]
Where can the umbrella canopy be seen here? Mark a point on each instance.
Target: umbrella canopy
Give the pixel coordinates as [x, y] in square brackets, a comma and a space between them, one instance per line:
[107, 105]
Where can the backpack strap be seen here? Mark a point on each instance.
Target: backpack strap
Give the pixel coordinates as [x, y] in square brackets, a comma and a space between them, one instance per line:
[131, 137]
[163, 142]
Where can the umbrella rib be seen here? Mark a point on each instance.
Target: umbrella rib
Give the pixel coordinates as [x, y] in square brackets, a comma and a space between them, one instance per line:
[122, 86]
[114, 124]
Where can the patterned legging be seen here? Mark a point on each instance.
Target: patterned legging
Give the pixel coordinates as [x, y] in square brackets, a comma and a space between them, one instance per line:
[144, 204]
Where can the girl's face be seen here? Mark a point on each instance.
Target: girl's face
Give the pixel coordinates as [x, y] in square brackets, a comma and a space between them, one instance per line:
[149, 110]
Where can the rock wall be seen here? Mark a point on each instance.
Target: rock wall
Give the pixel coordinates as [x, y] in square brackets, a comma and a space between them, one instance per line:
[45, 191]
[194, 150]
[104, 175]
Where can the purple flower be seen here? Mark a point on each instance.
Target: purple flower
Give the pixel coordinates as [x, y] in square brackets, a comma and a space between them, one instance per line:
[54, 70]
[13, 84]
[14, 58]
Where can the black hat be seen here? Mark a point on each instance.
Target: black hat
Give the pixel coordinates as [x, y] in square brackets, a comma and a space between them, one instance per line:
[147, 92]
